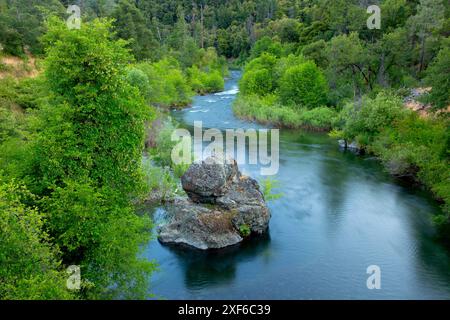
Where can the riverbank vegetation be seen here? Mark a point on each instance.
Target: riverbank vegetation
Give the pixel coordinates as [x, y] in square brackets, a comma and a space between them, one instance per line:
[71, 142]
[328, 71]
[75, 107]
[78, 107]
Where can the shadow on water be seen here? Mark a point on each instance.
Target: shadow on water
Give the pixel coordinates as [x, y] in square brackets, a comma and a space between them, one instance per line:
[216, 267]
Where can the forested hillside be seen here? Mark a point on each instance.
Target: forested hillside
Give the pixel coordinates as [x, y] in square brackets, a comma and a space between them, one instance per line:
[78, 108]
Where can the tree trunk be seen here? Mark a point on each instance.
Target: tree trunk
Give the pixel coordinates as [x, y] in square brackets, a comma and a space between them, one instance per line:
[422, 53]
[202, 39]
[381, 77]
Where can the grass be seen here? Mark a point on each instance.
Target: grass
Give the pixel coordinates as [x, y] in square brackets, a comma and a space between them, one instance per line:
[267, 110]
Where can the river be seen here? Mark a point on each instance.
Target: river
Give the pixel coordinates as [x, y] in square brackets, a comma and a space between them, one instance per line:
[339, 214]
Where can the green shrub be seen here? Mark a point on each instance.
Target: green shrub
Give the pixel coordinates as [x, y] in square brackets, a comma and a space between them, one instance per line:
[214, 82]
[203, 83]
[267, 109]
[303, 85]
[85, 159]
[168, 86]
[438, 79]
[162, 153]
[268, 185]
[30, 264]
[321, 117]
[372, 116]
[160, 180]
[245, 230]
[139, 79]
[257, 82]
[266, 45]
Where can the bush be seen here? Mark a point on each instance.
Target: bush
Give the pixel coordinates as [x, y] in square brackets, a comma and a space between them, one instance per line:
[245, 230]
[139, 79]
[85, 160]
[168, 86]
[372, 116]
[268, 185]
[161, 181]
[162, 152]
[30, 266]
[303, 85]
[266, 45]
[203, 83]
[257, 82]
[438, 79]
[321, 118]
[267, 109]
[214, 82]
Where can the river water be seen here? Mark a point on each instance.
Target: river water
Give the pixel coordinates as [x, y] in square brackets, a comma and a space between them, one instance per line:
[339, 214]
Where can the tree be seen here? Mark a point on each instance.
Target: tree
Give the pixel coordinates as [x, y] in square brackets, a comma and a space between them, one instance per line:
[348, 62]
[29, 263]
[268, 45]
[130, 25]
[304, 85]
[21, 24]
[179, 33]
[438, 79]
[429, 17]
[86, 159]
[258, 77]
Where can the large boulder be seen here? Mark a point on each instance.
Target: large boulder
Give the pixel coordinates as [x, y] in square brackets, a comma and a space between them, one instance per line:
[197, 226]
[222, 204]
[204, 181]
[247, 201]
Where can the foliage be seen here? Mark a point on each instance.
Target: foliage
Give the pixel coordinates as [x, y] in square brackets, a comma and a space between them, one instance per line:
[161, 180]
[266, 45]
[83, 165]
[130, 25]
[303, 85]
[137, 78]
[21, 24]
[438, 79]
[258, 76]
[162, 152]
[168, 86]
[268, 185]
[203, 83]
[245, 230]
[268, 110]
[372, 117]
[31, 268]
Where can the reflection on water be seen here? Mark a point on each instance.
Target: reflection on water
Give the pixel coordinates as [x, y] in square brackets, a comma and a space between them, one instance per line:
[216, 267]
[339, 214]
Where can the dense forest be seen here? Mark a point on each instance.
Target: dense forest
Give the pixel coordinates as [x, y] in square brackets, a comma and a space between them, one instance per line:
[79, 107]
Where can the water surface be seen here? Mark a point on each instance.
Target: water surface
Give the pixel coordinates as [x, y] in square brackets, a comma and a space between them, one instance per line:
[339, 214]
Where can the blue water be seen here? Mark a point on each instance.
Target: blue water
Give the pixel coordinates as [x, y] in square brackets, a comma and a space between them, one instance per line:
[339, 214]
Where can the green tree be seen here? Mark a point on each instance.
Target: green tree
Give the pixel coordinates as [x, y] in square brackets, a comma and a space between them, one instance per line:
[304, 85]
[21, 24]
[438, 79]
[86, 160]
[348, 64]
[130, 25]
[29, 263]
[429, 17]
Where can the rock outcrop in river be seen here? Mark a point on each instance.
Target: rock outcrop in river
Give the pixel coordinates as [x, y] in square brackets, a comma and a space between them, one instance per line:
[223, 207]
